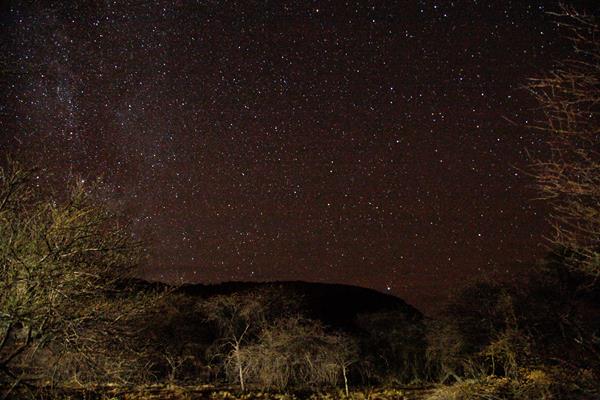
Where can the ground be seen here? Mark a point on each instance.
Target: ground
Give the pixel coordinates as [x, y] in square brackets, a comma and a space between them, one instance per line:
[208, 392]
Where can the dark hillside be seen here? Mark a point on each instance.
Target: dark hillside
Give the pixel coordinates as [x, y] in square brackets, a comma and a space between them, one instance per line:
[335, 305]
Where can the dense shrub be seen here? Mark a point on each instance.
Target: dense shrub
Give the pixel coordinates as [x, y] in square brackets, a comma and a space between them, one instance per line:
[65, 313]
[296, 352]
[525, 385]
[256, 343]
[392, 348]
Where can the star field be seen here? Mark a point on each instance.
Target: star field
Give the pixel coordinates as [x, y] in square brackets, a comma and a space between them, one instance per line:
[378, 144]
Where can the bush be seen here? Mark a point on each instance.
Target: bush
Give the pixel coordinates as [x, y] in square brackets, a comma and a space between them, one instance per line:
[63, 307]
[445, 353]
[296, 352]
[480, 333]
[525, 385]
[258, 343]
[393, 348]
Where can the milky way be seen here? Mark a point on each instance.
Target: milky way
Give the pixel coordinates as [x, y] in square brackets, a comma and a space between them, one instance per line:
[378, 144]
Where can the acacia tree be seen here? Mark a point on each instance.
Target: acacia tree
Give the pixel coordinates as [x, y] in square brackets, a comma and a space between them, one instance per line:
[259, 343]
[233, 316]
[299, 352]
[238, 318]
[64, 307]
[569, 97]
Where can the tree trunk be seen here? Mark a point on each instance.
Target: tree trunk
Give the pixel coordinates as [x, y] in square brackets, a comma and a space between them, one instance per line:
[239, 365]
[345, 379]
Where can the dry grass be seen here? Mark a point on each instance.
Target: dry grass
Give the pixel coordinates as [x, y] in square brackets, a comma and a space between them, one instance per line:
[526, 385]
[209, 392]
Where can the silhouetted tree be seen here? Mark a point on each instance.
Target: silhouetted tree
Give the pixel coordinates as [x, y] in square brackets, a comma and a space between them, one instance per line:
[445, 354]
[393, 347]
[481, 332]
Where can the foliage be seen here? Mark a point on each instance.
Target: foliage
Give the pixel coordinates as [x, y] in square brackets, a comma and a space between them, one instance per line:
[524, 385]
[500, 340]
[62, 304]
[238, 319]
[258, 343]
[296, 352]
[479, 334]
[445, 358]
[392, 347]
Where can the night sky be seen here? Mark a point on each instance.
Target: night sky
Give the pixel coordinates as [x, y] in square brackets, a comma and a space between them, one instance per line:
[378, 144]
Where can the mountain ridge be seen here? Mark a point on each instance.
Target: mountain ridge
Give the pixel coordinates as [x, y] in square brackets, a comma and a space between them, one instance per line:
[335, 303]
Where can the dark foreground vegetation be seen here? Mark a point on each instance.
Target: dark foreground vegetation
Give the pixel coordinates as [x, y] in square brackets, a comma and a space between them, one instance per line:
[73, 322]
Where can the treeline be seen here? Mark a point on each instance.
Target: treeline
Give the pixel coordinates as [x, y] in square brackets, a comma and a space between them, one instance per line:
[540, 338]
[265, 338]
[537, 337]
